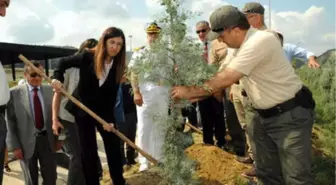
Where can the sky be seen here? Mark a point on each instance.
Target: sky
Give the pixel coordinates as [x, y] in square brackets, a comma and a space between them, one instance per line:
[307, 23]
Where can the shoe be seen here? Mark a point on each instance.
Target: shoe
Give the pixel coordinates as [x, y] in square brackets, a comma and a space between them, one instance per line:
[131, 162]
[250, 174]
[126, 167]
[239, 151]
[7, 168]
[245, 160]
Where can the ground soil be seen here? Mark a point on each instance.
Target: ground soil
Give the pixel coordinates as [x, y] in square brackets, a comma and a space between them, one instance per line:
[215, 167]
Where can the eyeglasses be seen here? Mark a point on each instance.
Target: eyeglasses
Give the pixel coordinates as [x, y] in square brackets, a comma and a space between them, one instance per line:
[33, 75]
[203, 31]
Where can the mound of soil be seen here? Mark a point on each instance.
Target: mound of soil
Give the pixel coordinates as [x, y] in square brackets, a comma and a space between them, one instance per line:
[215, 167]
[133, 177]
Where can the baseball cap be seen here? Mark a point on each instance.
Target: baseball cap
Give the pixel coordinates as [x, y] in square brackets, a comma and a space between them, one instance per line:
[223, 18]
[254, 7]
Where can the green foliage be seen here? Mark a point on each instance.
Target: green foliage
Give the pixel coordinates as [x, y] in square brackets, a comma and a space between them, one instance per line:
[173, 59]
[322, 83]
[323, 170]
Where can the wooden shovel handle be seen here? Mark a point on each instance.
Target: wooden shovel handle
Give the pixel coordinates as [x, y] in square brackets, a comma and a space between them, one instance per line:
[91, 113]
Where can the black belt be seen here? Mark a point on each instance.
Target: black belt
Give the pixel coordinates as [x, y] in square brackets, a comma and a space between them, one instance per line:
[303, 98]
[41, 133]
[2, 109]
[278, 109]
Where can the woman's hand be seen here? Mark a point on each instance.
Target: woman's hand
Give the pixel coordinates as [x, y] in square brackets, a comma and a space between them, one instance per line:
[56, 85]
[56, 126]
[138, 99]
[109, 127]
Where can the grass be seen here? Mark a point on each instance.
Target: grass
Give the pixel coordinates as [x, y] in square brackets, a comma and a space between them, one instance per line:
[323, 164]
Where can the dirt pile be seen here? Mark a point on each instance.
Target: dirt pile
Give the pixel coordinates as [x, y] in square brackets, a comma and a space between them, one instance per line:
[133, 177]
[215, 167]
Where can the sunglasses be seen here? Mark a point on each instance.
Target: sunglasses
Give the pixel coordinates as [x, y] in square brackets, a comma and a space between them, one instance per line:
[203, 31]
[33, 75]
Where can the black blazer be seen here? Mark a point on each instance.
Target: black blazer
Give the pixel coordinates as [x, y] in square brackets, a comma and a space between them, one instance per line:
[128, 98]
[100, 100]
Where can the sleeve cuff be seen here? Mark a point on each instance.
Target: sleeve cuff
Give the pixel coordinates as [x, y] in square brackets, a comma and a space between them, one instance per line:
[310, 54]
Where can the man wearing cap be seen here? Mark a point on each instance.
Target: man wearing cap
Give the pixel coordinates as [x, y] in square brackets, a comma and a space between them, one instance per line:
[152, 99]
[282, 126]
[255, 15]
[4, 98]
[254, 12]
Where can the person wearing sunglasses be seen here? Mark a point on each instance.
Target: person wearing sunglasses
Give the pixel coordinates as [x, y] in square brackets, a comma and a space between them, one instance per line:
[210, 109]
[282, 126]
[4, 98]
[30, 135]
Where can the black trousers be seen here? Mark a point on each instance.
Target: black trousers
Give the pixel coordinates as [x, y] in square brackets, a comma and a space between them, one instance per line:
[191, 114]
[236, 133]
[71, 147]
[212, 117]
[88, 142]
[128, 128]
[3, 134]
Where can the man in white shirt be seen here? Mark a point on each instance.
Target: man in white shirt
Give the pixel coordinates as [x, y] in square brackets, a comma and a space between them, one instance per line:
[282, 127]
[4, 97]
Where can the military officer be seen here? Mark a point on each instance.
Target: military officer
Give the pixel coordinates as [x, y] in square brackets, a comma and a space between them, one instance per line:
[151, 98]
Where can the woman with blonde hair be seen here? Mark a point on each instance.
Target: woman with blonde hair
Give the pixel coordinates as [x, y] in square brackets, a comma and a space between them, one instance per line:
[101, 71]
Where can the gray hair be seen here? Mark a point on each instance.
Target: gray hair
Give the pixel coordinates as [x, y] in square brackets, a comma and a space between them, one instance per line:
[203, 22]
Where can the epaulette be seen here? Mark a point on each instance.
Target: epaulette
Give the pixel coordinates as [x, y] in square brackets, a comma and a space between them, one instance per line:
[139, 48]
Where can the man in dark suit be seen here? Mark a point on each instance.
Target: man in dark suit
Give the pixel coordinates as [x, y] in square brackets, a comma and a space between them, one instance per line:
[30, 135]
